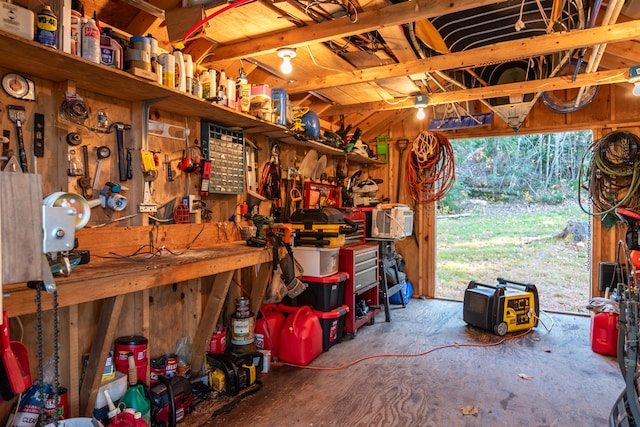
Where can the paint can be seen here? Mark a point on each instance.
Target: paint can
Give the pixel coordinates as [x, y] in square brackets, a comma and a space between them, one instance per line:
[242, 330]
[171, 365]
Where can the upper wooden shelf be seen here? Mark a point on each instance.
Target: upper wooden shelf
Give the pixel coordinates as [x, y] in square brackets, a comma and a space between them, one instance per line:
[36, 60]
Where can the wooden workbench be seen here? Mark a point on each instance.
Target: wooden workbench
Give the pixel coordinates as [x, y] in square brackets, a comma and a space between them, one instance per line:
[191, 253]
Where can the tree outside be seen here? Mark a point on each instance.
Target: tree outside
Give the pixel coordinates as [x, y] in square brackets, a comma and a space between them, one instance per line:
[513, 213]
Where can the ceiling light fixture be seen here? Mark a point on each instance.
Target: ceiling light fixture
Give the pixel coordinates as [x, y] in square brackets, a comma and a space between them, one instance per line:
[287, 54]
[634, 77]
[420, 102]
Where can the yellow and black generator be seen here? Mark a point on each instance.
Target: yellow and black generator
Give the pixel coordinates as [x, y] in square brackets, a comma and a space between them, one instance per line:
[505, 307]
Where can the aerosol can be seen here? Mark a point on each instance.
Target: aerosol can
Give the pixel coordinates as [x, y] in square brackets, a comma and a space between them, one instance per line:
[47, 27]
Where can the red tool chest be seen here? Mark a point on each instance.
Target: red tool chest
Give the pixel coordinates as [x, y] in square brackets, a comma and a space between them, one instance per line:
[361, 288]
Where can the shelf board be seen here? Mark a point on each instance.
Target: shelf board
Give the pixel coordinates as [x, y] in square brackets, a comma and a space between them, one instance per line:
[38, 61]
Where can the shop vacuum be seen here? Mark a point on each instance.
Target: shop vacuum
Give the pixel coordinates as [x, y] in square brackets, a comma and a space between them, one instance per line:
[506, 307]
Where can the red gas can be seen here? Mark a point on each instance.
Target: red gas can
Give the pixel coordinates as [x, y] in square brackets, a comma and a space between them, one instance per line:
[300, 337]
[268, 327]
[604, 333]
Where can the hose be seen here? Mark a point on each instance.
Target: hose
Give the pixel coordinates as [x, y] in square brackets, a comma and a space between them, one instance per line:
[430, 169]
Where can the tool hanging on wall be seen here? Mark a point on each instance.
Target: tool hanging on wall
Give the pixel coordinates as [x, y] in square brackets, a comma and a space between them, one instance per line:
[103, 152]
[18, 117]
[85, 181]
[167, 165]
[270, 185]
[402, 144]
[38, 135]
[122, 166]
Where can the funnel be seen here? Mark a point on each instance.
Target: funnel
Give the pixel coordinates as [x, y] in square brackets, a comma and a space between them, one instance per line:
[253, 200]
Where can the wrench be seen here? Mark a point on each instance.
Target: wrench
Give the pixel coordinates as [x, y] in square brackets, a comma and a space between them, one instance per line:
[102, 153]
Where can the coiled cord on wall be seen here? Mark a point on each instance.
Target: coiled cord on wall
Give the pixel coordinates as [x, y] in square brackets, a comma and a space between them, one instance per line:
[613, 173]
[430, 168]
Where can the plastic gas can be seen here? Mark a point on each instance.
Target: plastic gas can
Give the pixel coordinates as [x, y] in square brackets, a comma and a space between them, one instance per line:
[300, 337]
[604, 333]
[268, 326]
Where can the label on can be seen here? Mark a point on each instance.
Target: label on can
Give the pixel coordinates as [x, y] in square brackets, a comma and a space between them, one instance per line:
[242, 331]
[47, 28]
[171, 367]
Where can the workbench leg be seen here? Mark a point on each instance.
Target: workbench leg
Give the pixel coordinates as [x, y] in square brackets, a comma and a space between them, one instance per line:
[105, 334]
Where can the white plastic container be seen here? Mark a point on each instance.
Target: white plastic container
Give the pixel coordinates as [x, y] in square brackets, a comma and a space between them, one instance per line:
[90, 41]
[180, 76]
[317, 262]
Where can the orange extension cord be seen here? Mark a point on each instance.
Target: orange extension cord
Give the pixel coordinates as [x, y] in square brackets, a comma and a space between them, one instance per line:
[424, 353]
[430, 171]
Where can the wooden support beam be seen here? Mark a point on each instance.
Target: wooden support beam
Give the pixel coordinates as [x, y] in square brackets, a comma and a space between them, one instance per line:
[105, 334]
[499, 52]
[209, 318]
[388, 16]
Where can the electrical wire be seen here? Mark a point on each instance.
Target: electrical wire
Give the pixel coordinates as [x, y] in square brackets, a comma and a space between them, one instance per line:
[430, 169]
[612, 177]
[384, 355]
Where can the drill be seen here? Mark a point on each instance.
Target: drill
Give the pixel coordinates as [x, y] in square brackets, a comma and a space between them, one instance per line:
[259, 221]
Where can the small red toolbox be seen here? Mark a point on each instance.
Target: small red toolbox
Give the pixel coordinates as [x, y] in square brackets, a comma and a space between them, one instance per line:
[332, 323]
[322, 293]
[300, 337]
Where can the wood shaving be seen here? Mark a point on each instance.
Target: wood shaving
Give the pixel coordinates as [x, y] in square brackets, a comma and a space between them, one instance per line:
[525, 376]
[469, 410]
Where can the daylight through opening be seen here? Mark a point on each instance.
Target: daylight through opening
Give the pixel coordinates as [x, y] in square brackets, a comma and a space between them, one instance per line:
[513, 212]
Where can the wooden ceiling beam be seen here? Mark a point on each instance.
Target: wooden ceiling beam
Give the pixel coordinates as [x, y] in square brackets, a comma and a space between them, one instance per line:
[620, 75]
[367, 21]
[495, 53]
[598, 78]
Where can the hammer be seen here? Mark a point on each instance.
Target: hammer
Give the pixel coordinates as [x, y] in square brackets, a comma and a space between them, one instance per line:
[122, 166]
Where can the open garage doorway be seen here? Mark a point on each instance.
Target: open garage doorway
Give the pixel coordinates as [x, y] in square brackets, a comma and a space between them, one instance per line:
[514, 213]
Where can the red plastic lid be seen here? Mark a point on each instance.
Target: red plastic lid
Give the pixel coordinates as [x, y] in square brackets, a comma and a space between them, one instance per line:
[340, 276]
[333, 314]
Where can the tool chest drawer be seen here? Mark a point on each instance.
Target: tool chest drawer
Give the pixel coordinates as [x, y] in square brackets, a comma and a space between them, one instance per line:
[363, 279]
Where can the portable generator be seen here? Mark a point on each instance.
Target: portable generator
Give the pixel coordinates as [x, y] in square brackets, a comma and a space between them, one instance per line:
[171, 400]
[506, 307]
[229, 374]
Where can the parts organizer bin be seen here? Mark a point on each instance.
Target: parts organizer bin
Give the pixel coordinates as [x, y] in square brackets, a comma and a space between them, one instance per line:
[225, 149]
[317, 262]
[332, 323]
[322, 293]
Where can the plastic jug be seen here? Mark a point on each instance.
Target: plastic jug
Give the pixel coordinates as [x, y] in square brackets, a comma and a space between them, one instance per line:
[268, 329]
[300, 337]
[135, 398]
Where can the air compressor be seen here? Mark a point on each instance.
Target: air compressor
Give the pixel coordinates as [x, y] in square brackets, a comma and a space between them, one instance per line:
[508, 306]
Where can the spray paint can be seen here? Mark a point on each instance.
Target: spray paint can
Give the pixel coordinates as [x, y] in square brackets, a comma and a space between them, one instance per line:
[90, 41]
[188, 72]
[47, 27]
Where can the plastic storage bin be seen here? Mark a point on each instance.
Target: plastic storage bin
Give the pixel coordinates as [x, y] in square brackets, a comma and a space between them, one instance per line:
[317, 262]
[322, 293]
[332, 323]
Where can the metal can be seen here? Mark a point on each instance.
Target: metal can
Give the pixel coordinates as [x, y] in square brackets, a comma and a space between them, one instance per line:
[47, 27]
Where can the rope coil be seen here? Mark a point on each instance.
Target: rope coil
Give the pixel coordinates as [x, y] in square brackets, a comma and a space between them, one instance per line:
[430, 168]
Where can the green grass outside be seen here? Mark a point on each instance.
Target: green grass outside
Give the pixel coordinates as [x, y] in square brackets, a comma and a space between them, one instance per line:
[518, 244]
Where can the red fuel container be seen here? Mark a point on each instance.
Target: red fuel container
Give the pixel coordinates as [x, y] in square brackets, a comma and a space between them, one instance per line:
[268, 326]
[300, 337]
[604, 333]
